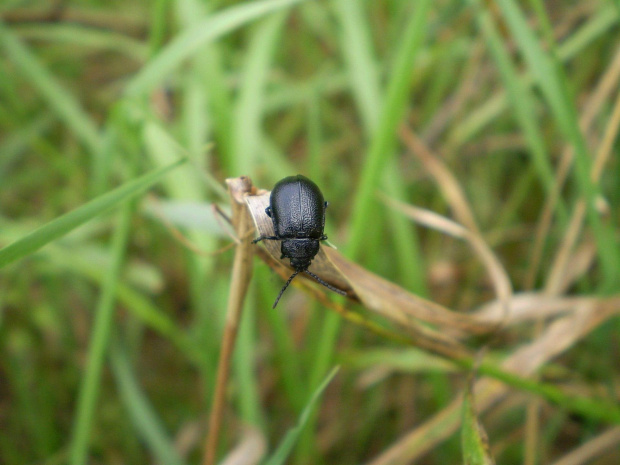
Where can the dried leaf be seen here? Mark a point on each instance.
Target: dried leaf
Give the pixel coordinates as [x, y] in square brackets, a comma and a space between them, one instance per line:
[558, 337]
[250, 450]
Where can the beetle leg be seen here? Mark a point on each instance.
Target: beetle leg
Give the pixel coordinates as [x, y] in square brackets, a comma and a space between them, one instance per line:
[263, 238]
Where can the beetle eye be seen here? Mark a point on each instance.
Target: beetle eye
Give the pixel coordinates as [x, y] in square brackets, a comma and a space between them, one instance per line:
[268, 211]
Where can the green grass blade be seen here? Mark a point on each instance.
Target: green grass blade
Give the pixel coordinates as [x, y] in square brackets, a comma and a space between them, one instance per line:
[286, 446]
[356, 46]
[488, 112]
[250, 103]
[69, 221]
[384, 138]
[243, 365]
[246, 145]
[589, 32]
[141, 413]
[75, 35]
[552, 82]
[542, 67]
[473, 437]
[59, 98]
[593, 408]
[190, 41]
[522, 101]
[17, 143]
[89, 389]
[184, 183]
[141, 307]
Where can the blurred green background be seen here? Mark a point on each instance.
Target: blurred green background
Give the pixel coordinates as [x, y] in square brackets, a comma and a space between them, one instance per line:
[109, 335]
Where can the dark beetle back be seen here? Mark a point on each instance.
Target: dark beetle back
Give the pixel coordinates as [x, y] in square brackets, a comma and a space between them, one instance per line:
[297, 208]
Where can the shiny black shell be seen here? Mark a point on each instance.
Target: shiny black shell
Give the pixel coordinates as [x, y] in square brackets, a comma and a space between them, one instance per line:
[297, 209]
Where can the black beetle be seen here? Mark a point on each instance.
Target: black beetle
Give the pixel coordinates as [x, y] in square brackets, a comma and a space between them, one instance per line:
[297, 209]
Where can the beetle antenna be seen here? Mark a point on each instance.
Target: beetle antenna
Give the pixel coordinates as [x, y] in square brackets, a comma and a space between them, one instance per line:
[328, 286]
[284, 288]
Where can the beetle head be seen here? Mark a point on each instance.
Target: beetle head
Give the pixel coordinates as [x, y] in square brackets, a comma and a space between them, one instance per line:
[300, 264]
[300, 251]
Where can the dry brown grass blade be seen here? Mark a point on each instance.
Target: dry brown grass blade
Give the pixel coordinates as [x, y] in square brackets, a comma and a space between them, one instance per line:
[397, 304]
[250, 450]
[474, 73]
[238, 188]
[606, 86]
[408, 311]
[595, 447]
[461, 209]
[559, 267]
[561, 275]
[495, 270]
[556, 338]
[529, 306]
[446, 181]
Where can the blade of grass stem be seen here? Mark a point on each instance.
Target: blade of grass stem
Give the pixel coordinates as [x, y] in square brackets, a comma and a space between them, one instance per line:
[521, 100]
[148, 425]
[356, 46]
[241, 275]
[286, 446]
[550, 77]
[384, 138]
[60, 99]
[191, 39]
[381, 130]
[250, 103]
[137, 304]
[89, 390]
[69, 221]
[488, 112]
[473, 437]
[357, 50]
[75, 35]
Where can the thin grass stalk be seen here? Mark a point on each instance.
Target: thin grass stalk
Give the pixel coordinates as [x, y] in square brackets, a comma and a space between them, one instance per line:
[240, 280]
[89, 391]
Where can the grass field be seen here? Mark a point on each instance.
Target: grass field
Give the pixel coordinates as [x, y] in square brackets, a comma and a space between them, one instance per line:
[469, 154]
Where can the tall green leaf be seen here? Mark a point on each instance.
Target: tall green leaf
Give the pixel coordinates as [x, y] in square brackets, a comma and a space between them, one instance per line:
[69, 221]
[286, 446]
[384, 139]
[60, 99]
[474, 439]
[194, 37]
[551, 80]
